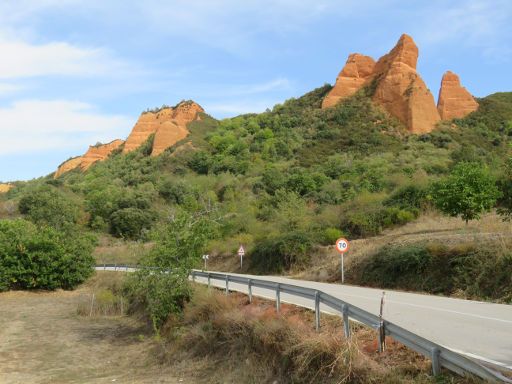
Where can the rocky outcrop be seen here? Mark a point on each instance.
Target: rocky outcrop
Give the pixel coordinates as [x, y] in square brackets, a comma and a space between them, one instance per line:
[99, 153]
[356, 72]
[67, 166]
[454, 100]
[169, 124]
[5, 187]
[175, 128]
[400, 90]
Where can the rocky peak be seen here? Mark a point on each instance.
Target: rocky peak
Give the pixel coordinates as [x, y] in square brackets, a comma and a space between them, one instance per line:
[405, 51]
[399, 90]
[5, 187]
[454, 100]
[169, 124]
[357, 70]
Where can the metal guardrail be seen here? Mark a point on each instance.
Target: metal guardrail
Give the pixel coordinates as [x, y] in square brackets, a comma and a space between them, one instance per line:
[440, 356]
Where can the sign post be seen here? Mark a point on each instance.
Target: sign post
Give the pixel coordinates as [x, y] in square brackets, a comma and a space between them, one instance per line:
[241, 253]
[205, 257]
[342, 247]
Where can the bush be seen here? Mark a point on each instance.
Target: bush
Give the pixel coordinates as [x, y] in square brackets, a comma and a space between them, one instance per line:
[131, 223]
[281, 253]
[163, 289]
[47, 205]
[330, 235]
[409, 196]
[42, 258]
[479, 273]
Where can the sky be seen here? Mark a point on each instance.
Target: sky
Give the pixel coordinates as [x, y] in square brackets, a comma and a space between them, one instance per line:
[77, 72]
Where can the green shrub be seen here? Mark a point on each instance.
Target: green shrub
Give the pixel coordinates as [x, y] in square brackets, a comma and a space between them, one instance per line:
[281, 253]
[42, 258]
[48, 205]
[131, 223]
[330, 235]
[407, 197]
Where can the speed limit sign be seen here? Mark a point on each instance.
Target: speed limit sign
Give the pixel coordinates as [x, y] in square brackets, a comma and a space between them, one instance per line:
[342, 245]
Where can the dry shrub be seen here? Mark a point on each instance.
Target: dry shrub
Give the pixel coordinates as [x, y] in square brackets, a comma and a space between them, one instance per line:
[106, 297]
[235, 342]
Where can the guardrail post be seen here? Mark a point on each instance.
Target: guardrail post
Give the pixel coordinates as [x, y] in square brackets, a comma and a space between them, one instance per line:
[227, 284]
[104, 266]
[346, 324]
[436, 366]
[194, 276]
[249, 286]
[381, 337]
[115, 267]
[278, 298]
[209, 280]
[317, 311]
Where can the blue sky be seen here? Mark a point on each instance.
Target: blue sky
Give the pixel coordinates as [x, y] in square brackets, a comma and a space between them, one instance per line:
[75, 72]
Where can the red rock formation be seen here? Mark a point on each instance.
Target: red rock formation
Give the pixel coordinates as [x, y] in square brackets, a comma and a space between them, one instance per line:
[99, 153]
[175, 127]
[67, 166]
[4, 188]
[400, 89]
[454, 100]
[168, 124]
[357, 70]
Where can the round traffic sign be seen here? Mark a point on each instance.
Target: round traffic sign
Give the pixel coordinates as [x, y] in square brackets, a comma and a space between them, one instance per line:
[342, 245]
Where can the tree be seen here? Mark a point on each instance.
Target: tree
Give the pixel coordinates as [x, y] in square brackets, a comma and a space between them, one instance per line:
[468, 192]
[49, 206]
[163, 287]
[505, 186]
[34, 257]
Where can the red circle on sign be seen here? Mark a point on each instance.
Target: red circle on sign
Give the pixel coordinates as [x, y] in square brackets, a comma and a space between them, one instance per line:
[342, 245]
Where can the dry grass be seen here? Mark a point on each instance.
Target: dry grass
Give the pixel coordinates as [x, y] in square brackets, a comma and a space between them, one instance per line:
[225, 340]
[115, 251]
[44, 341]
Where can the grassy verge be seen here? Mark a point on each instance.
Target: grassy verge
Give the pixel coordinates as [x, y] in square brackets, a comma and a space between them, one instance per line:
[222, 339]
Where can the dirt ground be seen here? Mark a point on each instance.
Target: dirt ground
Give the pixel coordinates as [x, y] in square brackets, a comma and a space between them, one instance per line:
[43, 340]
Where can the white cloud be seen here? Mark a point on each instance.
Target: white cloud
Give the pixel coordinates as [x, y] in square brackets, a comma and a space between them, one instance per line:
[21, 59]
[34, 126]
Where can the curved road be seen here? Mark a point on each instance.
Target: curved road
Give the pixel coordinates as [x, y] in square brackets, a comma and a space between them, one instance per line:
[476, 329]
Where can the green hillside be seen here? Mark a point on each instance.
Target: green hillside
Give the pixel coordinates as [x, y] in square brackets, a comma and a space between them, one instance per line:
[283, 181]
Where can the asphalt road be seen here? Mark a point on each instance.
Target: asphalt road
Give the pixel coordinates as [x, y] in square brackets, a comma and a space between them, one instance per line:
[476, 329]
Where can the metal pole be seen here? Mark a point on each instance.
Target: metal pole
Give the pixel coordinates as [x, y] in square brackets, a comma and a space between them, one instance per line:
[241, 261]
[382, 332]
[436, 366]
[278, 298]
[317, 311]
[342, 269]
[346, 324]
[204, 263]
